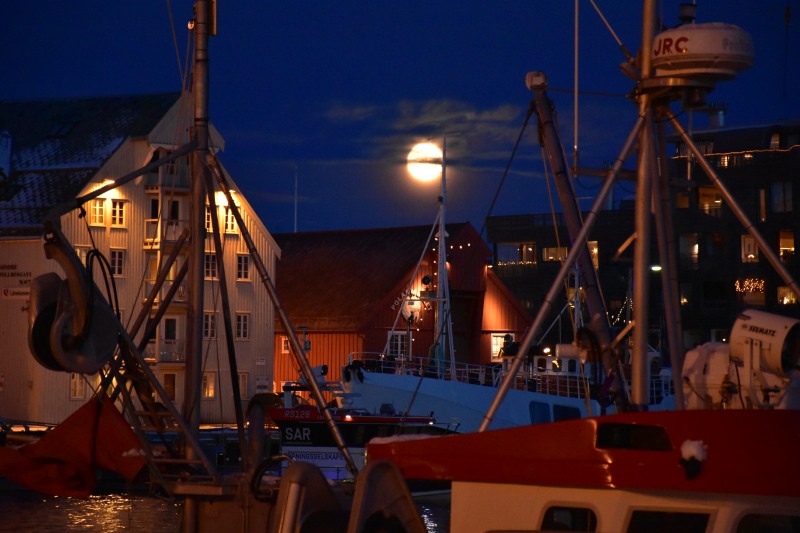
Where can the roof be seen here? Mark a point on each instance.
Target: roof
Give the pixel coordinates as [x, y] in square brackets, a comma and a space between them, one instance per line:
[333, 279]
[50, 149]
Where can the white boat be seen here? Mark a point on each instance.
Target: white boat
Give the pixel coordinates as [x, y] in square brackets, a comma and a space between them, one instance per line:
[546, 389]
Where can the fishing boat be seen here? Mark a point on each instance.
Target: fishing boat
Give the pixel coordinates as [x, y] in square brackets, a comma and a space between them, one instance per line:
[305, 437]
[710, 465]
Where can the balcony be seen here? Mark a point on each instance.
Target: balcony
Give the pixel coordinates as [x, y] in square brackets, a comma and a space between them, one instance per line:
[180, 298]
[158, 231]
[165, 351]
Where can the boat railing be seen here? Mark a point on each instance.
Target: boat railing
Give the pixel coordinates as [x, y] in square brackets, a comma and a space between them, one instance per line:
[554, 381]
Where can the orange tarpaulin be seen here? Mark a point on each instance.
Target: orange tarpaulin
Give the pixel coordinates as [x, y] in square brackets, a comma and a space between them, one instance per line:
[64, 461]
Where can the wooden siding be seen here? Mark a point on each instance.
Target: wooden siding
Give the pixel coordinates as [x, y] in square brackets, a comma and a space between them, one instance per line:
[30, 392]
[328, 348]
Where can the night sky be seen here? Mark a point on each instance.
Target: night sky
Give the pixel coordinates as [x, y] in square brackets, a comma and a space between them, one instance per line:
[336, 92]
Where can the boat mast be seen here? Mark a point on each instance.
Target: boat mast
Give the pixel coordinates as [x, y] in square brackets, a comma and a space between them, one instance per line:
[443, 340]
[194, 320]
[640, 369]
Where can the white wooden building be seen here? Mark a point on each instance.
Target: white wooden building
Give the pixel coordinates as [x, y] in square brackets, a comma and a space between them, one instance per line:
[54, 151]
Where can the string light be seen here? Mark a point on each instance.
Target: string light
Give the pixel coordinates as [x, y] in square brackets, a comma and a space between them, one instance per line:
[750, 285]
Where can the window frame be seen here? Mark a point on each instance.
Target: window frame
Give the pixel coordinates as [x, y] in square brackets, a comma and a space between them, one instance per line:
[97, 212]
[119, 213]
[209, 325]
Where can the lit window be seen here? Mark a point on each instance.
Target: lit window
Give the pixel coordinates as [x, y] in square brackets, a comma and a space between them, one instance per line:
[117, 261]
[554, 253]
[242, 326]
[285, 345]
[528, 252]
[749, 249]
[97, 212]
[786, 296]
[710, 201]
[230, 221]
[594, 252]
[497, 343]
[243, 385]
[243, 268]
[398, 343]
[786, 245]
[209, 222]
[117, 213]
[209, 326]
[210, 266]
[77, 387]
[209, 385]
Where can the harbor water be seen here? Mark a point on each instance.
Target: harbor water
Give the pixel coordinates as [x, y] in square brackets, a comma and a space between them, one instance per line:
[23, 512]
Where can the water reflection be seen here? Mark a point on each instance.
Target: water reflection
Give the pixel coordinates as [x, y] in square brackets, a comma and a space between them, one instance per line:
[23, 511]
[27, 511]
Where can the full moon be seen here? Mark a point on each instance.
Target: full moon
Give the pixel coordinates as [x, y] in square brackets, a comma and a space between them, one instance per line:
[425, 162]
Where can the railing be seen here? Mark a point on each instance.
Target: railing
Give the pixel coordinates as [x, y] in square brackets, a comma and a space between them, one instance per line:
[181, 295]
[166, 351]
[529, 378]
[156, 230]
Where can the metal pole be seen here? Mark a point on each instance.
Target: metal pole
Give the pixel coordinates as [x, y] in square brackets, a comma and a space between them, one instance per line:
[194, 316]
[572, 257]
[640, 369]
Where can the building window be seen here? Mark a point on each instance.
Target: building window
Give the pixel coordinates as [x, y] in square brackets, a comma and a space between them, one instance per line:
[242, 326]
[210, 266]
[688, 250]
[594, 252]
[751, 291]
[155, 208]
[118, 213]
[175, 210]
[527, 252]
[781, 197]
[230, 220]
[242, 268]
[209, 326]
[97, 212]
[209, 385]
[169, 385]
[775, 141]
[285, 345]
[497, 344]
[762, 205]
[170, 330]
[117, 261]
[749, 249]
[82, 252]
[710, 201]
[243, 385]
[77, 387]
[786, 296]
[554, 253]
[786, 245]
[209, 222]
[398, 343]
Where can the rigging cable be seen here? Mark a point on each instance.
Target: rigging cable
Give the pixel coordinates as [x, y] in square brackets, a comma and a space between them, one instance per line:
[531, 108]
[181, 72]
